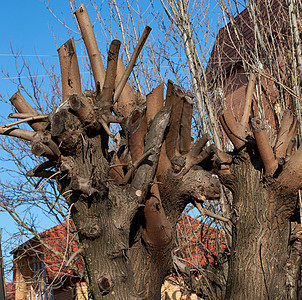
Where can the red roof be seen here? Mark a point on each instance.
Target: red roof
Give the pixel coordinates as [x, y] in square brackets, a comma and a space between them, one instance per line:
[55, 250]
[10, 290]
[62, 243]
[200, 242]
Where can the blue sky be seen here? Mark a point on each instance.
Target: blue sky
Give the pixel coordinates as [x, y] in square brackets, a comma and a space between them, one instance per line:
[26, 26]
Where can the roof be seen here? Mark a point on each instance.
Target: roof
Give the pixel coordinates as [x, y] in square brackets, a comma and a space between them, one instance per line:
[200, 242]
[226, 51]
[56, 249]
[10, 290]
[62, 240]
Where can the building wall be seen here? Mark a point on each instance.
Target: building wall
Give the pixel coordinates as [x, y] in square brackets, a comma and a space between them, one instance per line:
[171, 291]
[81, 291]
[22, 278]
[235, 91]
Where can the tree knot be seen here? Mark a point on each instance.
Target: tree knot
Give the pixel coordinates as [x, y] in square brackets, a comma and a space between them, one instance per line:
[105, 284]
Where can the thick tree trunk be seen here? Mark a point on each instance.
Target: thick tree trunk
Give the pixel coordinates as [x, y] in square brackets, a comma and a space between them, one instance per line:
[116, 268]
[261, 234]
[120, 263]
[119, 260]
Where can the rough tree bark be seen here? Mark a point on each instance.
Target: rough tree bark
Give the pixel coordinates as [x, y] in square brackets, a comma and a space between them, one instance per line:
[125, 203]
[265, 181]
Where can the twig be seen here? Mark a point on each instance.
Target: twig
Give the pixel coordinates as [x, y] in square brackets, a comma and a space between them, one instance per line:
[118, 165]
[67, 244]
[131, 64]
[300, 203]
[73, 256]
[208, 213]
[21, 116]
[53, 175]
[106, 128]
[33, 118]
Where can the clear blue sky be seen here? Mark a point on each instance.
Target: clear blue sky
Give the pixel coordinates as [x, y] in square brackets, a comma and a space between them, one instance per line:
[26, 25]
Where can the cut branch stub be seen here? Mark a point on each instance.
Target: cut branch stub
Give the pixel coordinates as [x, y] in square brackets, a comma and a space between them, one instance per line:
[41, 170]
[59, 120]
[83, 185]
[173, 98]
[23, 107]
[43, 145]
[191, 160]
[248, 100]
[263, 145]
[291, 176]
[105, 284]
[158, 230]
[286, 133]
[71, 80]
[109, 84]
[185, 140]
[40, 149]
[199, 145]
[116, 171]
[155, 102]
[82, 109]
[19, 133]
[236, 132]
[91, 45]
[137, 129]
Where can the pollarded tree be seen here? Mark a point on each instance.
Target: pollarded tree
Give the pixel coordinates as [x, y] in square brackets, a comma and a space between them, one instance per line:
[264, 200]
[125, 203]
[261, 45]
